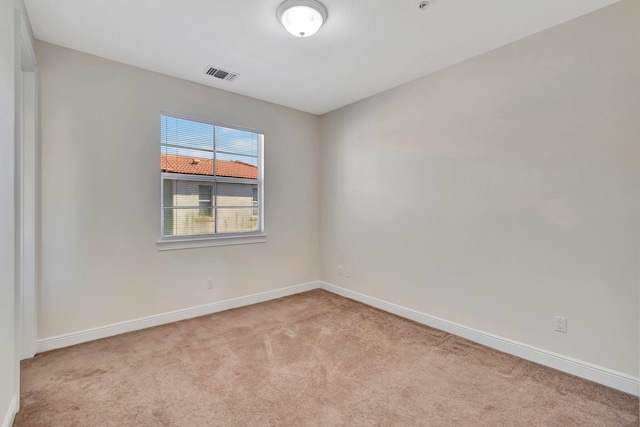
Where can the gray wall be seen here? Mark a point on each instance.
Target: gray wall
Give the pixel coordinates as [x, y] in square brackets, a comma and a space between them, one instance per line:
[8, 365]
[100, 126]
[501, 191]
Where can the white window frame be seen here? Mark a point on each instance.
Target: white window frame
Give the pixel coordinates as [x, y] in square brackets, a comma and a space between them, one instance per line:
[222, 239]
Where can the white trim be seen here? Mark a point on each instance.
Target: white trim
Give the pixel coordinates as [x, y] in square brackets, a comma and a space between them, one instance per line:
[65, 340]
[169, 245]
[27, 54]
[27, 246]
[589, 371]
[27, 147]
[11, 413]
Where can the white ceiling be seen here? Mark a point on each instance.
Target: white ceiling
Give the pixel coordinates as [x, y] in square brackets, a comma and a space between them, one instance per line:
[365, 47]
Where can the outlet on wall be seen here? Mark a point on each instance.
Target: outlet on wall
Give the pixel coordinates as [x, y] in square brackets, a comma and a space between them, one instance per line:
[209, 283]
[561, 324]
[348, 272]
[340, 270]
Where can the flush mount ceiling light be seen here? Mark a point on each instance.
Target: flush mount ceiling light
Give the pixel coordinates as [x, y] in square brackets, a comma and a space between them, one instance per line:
[302, 18]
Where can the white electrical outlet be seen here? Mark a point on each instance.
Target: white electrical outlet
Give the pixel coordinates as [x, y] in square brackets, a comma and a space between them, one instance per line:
[348, 272]
[209, 283]
[561, 324]
[340, 271]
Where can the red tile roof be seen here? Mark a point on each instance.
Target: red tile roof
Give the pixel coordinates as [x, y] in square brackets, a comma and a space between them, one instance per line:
[198, 166]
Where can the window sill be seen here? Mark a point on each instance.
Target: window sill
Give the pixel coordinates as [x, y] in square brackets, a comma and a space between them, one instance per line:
[205, 242]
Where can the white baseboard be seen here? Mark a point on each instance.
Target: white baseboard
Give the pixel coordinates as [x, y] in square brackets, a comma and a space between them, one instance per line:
[579, 368]
[11, 413]
[65, 340]
[598, 374]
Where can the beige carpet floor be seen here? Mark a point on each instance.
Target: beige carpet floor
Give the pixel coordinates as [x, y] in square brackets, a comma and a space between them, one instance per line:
[312, 359]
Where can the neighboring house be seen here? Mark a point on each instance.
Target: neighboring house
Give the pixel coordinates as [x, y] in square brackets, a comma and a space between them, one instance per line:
[193, 206]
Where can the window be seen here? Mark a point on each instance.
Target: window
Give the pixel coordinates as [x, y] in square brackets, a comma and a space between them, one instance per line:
[255, 201]
[211, 180]
[205, 200]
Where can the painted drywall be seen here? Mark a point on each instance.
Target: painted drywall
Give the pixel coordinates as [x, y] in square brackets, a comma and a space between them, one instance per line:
[100, 147]
[501, 191]
[7, 249]
[9, 61]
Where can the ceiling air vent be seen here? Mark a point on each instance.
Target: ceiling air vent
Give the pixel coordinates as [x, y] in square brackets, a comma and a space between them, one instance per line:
[220, 73]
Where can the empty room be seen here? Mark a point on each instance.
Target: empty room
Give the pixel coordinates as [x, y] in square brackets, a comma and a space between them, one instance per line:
[319, 213]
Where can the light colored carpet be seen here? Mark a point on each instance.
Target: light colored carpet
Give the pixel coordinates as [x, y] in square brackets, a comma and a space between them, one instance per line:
[312, 359]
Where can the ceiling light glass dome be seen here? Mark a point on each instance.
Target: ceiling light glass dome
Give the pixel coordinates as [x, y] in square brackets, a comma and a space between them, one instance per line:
[302, 18]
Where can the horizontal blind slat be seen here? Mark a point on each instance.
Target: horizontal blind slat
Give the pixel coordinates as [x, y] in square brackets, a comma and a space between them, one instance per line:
[210, 178]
